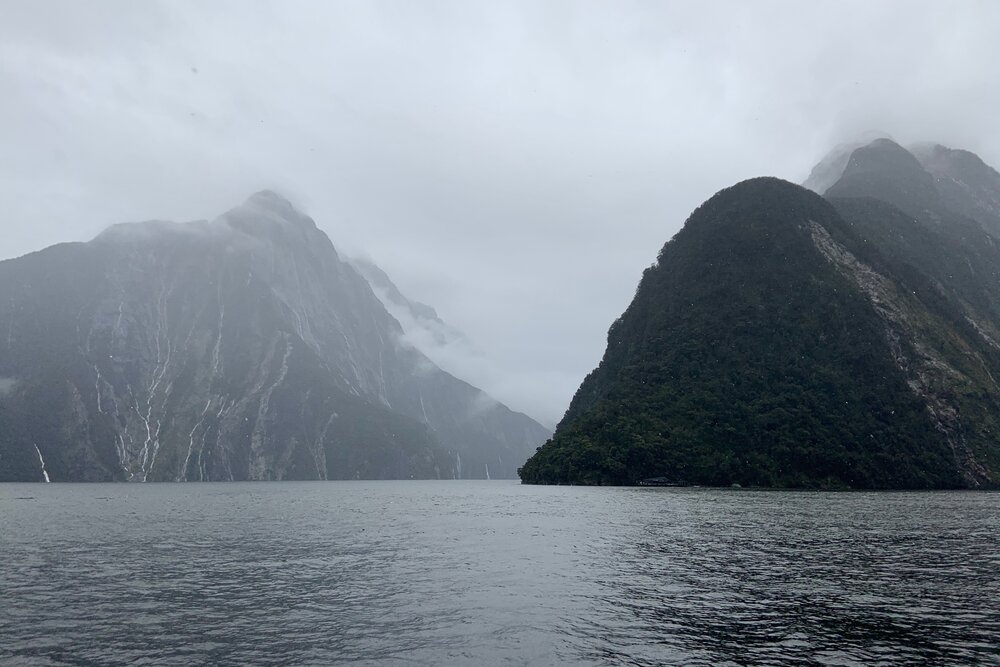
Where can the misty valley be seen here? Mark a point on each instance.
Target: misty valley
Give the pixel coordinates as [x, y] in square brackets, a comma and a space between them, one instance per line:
[783, 339]
[480, 332]
[837, 338]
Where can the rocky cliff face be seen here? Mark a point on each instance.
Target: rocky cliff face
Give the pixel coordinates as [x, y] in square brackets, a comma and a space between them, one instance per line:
[941, 250]
[240, 348]
[783, 340]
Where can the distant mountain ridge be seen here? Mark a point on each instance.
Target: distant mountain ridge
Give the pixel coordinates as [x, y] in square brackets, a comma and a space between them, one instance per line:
[786, 340]
[406, 311]
[238, 348]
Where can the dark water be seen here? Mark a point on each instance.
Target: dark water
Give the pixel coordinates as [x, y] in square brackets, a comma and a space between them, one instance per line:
[494, 573]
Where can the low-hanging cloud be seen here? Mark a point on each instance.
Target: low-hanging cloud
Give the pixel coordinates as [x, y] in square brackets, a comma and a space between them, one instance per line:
[514, 164]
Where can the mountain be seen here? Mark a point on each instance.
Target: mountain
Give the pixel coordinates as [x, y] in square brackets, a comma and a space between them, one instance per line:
[238, 348]
[829, 170]
[964, 183]
[784, 339]
[417, 319]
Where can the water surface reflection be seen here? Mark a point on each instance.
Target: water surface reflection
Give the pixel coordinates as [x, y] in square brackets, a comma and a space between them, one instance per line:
[494, 573]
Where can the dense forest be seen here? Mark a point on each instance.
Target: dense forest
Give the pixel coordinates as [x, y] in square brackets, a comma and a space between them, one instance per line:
[786, 340]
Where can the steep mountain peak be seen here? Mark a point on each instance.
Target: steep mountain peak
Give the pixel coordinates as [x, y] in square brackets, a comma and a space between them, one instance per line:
[749, 356]
[829, 170]
[763, 192]
[271, 201]
[766, 185]
[885, 170]
[929, 181]
[268, 214]
[786, 340]
[241, 348]
[883, 155]
[265, 214]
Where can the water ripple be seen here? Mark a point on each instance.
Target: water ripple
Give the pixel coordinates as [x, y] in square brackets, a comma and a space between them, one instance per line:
[494, 573]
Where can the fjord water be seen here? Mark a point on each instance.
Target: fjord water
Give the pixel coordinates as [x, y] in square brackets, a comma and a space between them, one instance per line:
[494, 573]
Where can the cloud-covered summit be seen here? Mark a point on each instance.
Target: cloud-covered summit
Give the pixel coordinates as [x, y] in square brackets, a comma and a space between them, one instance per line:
[515, 164]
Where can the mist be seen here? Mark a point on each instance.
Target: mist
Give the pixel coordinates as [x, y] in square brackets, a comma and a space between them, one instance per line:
[514, 165]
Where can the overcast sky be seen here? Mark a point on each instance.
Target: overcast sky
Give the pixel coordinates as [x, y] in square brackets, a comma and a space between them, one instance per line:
[514, 164]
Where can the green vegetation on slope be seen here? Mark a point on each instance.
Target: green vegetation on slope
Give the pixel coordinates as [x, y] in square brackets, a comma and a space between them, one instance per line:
[746, 357]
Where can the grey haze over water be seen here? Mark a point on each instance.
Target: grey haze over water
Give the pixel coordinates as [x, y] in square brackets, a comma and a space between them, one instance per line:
[484, 573]
[514, 164]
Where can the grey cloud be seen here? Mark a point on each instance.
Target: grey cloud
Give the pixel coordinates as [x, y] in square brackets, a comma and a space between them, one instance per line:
[516, 165]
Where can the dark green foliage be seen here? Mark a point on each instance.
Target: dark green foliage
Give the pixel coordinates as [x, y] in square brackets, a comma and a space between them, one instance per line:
[944, 251]
[953, 271]
[746, 357]
[886, 171]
